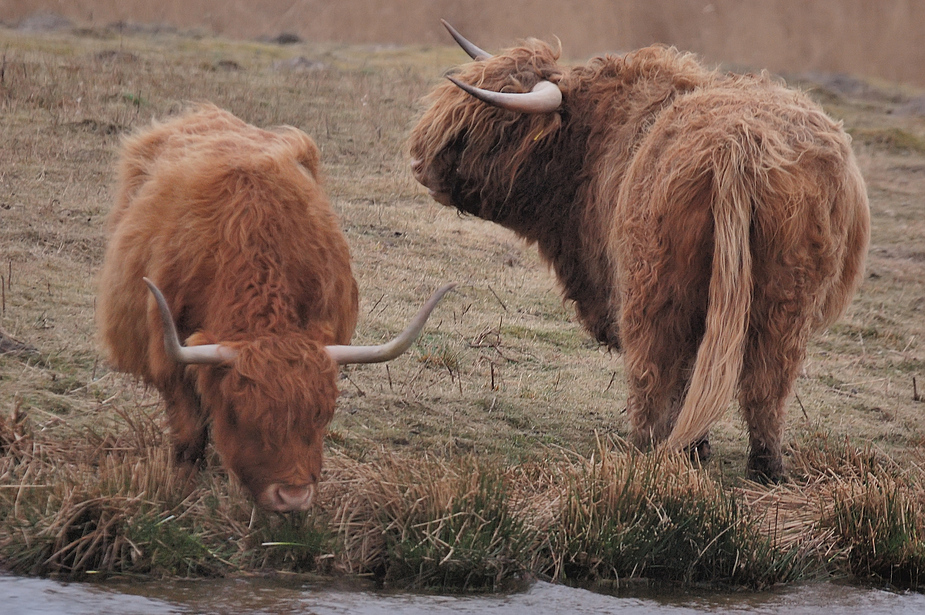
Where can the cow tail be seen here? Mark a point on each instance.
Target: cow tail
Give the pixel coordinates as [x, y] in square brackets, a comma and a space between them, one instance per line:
[721, 353]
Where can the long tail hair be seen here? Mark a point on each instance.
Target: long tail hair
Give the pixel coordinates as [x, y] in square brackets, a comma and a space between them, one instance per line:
[721, 353]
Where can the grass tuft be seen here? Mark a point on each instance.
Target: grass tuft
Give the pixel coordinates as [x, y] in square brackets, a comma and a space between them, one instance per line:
[881, 523]
[458, 533]
[627, 515]
[116, 506]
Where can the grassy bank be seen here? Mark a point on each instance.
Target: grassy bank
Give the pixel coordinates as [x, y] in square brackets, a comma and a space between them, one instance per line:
[491, 453]
[113, 506]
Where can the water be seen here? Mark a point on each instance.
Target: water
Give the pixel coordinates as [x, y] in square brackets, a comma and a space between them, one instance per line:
[28, 596]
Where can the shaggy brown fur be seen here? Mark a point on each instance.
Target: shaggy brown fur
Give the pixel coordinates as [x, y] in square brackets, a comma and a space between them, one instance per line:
[230, 221]
[706, 223]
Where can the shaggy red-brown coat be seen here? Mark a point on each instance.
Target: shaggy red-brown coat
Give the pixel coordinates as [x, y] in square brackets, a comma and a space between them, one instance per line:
[706, 223]
[231, 222]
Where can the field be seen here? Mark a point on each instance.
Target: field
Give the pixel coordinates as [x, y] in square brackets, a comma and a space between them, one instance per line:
[505, 395]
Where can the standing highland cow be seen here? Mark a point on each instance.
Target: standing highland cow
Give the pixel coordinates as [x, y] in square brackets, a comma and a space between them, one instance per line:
[231, 223]
[706, 223]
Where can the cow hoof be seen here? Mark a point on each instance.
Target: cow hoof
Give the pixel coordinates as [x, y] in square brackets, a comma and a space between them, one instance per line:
[765, 469]
[701, 450]
[190, 454]
[766, 479]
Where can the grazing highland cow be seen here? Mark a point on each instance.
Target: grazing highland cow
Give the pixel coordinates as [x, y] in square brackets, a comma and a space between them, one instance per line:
[706, 223]
[230, 222]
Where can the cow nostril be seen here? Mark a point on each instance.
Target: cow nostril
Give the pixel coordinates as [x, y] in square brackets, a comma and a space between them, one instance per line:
[296, 497]
[285, 498]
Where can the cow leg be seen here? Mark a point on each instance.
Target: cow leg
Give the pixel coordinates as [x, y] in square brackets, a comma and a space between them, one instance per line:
[187, 424]
[658, 364]
[773, 356]
[651, 414]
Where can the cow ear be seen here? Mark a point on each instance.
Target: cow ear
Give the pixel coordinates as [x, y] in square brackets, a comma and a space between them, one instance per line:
[307, 153]
[200, 338]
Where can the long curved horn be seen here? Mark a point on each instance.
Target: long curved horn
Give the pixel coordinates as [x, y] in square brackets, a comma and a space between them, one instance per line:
[474, 52]
[344, 355]
[207, 354]
[545, 97]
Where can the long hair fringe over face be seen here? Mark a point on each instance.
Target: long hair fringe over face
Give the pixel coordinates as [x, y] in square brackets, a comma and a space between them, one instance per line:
[476, 153]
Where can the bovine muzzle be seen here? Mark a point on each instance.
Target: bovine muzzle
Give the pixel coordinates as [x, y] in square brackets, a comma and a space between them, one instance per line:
[286, 498]
[427, 180]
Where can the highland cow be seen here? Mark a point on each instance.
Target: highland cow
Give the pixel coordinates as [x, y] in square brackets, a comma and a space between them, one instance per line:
[705, 223]
[230, 228]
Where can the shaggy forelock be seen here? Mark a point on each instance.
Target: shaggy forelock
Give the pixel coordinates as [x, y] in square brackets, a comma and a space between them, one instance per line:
[283, 385]
[453, 114]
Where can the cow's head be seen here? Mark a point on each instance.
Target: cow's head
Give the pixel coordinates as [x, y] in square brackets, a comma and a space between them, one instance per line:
[271, 398]
[484, 124]
[269, 409]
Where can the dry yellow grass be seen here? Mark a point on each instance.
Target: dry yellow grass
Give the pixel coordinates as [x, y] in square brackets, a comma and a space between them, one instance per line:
[503, 373]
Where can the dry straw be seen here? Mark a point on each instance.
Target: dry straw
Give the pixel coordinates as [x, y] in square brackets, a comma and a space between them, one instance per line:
[117, 506]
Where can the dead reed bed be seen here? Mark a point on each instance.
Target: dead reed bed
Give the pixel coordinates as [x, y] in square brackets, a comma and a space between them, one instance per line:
[490, 455]
[115, 506]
